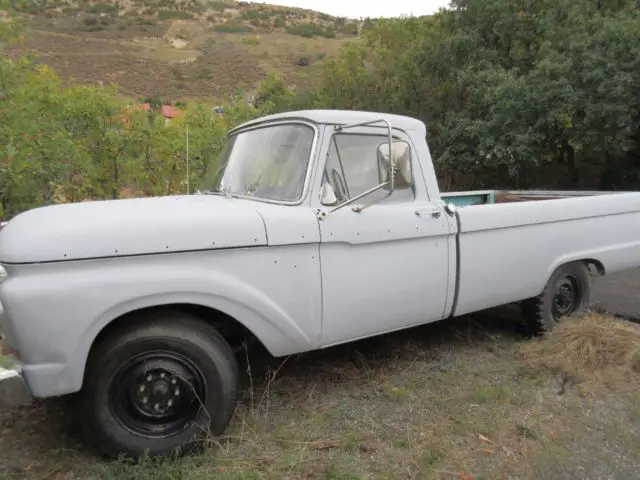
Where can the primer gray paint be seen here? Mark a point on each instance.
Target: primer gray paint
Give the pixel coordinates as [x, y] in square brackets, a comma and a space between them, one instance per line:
[297, 282]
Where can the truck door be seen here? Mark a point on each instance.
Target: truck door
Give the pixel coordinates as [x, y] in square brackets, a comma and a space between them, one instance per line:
[386, 267]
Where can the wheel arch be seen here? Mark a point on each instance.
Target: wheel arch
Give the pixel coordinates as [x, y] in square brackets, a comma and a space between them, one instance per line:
[230, 328]
[537, 311]
[597, 264]
[589, 261]
[236, 323]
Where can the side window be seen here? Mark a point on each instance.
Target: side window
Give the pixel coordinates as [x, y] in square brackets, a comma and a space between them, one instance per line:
[352, 165]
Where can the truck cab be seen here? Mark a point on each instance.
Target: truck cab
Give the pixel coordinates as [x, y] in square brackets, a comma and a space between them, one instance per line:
[335, 166]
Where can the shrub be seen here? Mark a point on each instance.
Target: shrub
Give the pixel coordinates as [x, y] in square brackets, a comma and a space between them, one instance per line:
[204, 74]
[91, 21]
[177, 74]
[218, 5]
[350, 28]
[232, 28]
[310, 30]
[98, 8]
[300, 31]
[174, 15]
[303, 61]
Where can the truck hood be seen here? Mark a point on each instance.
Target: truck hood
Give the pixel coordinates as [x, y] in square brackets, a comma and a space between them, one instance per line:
[137, 226]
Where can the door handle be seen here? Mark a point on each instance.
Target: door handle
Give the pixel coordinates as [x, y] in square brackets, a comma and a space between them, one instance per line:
[428, 212]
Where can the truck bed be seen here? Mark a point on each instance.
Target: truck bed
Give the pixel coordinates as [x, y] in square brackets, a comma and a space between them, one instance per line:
[508, 252]
[486, 197]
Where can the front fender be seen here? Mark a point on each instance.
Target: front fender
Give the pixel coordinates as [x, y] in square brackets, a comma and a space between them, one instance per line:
[62, 311]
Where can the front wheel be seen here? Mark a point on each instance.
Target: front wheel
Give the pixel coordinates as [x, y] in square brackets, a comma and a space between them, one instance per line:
[567, 292]
[161, 385]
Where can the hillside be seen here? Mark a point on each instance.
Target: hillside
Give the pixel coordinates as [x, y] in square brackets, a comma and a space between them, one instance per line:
[177, 49]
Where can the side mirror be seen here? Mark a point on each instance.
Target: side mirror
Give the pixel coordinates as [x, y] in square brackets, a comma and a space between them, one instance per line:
[398, 166]
[327, 195]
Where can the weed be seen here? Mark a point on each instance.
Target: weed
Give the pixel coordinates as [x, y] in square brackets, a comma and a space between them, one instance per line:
[146, 468]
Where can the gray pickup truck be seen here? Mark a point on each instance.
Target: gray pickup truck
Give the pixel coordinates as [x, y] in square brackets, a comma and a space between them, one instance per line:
[315, 228]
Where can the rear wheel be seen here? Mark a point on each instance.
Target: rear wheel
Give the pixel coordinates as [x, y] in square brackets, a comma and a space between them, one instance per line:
[162, 385]
[567, 292]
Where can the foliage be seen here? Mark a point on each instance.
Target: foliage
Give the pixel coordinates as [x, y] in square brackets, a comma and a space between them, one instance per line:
[310, 30]
[508, 88]
[63, 143]
[515, 94]
[174, 14]
[99, 8]
[303, 61]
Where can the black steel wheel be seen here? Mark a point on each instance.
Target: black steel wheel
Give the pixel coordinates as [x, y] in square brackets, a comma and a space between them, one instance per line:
[568, 292]
[157, 393]
[162, 384]
[567, 297]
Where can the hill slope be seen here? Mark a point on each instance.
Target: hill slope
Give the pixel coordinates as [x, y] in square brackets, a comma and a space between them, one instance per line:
[188, 48]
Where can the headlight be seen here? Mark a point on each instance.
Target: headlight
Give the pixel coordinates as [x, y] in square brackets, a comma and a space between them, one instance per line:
[3, 274]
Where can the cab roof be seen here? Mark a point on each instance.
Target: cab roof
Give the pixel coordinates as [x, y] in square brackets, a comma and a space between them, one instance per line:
[338, 117]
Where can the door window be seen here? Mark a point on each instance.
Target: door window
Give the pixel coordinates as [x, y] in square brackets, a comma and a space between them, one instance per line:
[352, 166]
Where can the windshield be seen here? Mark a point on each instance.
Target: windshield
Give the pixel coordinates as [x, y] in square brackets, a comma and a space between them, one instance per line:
[268, 162]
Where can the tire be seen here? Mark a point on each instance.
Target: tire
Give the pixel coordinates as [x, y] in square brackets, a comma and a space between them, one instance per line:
[541, 314]
[162, 385]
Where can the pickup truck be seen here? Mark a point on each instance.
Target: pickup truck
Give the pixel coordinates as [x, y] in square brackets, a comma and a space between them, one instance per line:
[312, 229]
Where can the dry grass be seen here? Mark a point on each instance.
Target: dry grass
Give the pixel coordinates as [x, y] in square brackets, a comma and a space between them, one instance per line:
[453, 400]
[210, 54]
[589, 347]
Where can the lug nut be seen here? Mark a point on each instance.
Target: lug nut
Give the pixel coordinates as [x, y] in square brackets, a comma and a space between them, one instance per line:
[176, 392]
[145, 399]
[142, 388]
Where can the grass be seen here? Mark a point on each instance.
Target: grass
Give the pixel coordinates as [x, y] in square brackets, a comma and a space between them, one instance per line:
[591, 350]
[467, 399]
